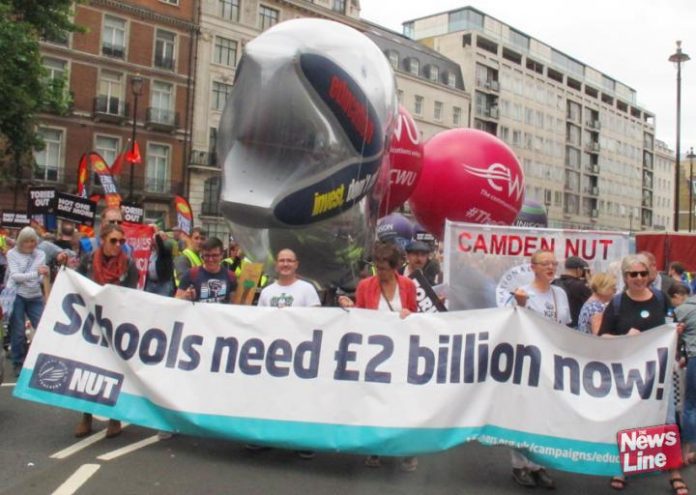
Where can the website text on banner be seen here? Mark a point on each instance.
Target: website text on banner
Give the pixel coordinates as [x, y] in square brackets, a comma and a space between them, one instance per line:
[306, 378]
[484, 263]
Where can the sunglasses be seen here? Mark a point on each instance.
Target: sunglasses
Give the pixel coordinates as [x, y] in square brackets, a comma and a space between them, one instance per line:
[120, 241]
[643, 274]
[115, 222]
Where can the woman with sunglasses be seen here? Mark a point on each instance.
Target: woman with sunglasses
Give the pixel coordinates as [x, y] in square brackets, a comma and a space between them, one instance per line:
[640, 308]
[108, 264]
[386, 291]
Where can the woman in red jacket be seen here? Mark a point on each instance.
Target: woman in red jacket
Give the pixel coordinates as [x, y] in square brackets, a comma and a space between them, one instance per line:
[386, 291]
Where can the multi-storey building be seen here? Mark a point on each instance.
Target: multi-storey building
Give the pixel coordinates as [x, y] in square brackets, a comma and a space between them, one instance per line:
[687, 192]
[586, 146]
[429, 84]
[128, 47]
[663, 187]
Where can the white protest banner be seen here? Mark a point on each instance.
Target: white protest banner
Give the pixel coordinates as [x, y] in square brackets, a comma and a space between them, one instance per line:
[355, 381]
[485, 263]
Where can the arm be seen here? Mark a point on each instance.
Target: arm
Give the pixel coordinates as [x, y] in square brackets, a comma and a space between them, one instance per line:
[20, 273]
[132, 276]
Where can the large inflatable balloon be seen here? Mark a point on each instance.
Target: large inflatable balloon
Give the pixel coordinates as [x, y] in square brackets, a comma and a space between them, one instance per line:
[405, 162]
[395, 228]
[532, 214]
[301, 144]
[468, 176]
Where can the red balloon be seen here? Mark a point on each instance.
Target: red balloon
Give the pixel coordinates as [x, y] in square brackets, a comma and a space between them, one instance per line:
[406, 162]
[468, 176]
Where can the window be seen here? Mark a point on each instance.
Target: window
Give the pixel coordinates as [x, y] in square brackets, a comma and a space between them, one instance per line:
[339, 6]
[434, 73]
[414, 66]
[171, 2]
[267, 17]
[108, 148]
[418, 105]
[451, 79]
[165, 43]
[220, 93]
[437, 110]
[457, 117]
[56, 68]
[211, 197]
[157, 172]
[49, 159]
[162, 100]
[225, 52]
[114, 37]
[229, 9]
[110, 99]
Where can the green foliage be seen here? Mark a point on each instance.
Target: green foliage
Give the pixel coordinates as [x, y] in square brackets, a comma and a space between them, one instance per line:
[25, 88]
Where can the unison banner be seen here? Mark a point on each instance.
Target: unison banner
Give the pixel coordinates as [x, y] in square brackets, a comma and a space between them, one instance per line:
[485, 263]
[355, 381]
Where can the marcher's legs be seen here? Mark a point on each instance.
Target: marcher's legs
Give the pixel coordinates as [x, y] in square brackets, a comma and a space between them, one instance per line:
[18, 338]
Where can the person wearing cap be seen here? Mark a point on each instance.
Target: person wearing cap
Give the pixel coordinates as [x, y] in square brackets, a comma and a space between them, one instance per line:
[418, 258]
[574, 283]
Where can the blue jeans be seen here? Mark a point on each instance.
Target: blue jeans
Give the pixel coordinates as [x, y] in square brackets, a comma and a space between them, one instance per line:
[23, 307]
[689, 409]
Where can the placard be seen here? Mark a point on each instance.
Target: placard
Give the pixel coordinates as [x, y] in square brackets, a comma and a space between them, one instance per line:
[15, 219]
[76, 209]
[41, 200]
[132, 212]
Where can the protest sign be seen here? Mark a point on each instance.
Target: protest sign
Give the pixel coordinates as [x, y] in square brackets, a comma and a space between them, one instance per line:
[139, 238]
[355, 381]
[41, 200]
[76, 209]
[485, 263]
[15, 219]
[132, 212]
[247, 282]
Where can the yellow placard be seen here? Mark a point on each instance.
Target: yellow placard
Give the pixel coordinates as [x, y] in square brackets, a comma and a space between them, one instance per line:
[247, 282]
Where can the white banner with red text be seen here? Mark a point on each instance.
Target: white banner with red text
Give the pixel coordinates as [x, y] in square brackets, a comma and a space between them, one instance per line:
[355, 381]
[485, 263]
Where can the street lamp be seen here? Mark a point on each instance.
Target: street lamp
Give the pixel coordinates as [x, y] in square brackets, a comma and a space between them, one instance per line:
[547, 202]
[137, 90]
[678, 58]
[691, 157]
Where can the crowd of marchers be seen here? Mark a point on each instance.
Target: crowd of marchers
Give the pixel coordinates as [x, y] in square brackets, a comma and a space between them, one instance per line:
[202, 269]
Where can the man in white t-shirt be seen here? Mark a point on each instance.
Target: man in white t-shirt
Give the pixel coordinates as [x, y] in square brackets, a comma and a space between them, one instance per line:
[551, 302]
[288, 290]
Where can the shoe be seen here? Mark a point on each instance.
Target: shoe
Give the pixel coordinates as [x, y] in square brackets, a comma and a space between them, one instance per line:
[17, 370]
[409, 464]
[543, 479]
[373, 461]
[523, 477]
[306, 454]
[84, 427]
[114, 428]
[679, 486]
[617, 483]
[164, 435]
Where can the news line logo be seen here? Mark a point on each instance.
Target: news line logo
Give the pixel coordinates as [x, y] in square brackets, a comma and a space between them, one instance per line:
[651, 448]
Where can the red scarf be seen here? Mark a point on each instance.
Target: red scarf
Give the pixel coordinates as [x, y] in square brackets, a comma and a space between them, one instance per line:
[109, 270]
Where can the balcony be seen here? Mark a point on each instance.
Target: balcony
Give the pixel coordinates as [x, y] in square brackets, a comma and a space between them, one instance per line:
[161, 119]
[157, 186]
[488, 112]
[164, 62]
[592, 147]
[593, 124]
[115, 51]
[211, 208]
[204, 159]
[110, 109]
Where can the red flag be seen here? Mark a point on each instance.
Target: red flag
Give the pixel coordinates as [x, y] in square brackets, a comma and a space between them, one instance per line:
[118, 163]
[133, 155]
[82, 176]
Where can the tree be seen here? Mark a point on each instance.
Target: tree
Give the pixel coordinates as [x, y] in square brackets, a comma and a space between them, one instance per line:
[24, 83]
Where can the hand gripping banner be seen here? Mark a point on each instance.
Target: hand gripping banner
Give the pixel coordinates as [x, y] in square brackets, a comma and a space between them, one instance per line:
[353, 381]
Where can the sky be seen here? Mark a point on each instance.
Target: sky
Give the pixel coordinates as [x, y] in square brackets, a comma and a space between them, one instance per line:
[628, 40]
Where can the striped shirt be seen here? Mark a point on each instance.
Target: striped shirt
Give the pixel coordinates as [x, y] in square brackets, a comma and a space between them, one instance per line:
[23, 270]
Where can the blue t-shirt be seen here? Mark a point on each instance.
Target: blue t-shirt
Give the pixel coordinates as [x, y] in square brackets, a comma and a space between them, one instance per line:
[210, 287]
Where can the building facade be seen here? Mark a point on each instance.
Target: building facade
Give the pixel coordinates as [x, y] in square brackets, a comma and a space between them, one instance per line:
[663, 205]
[139, 46]
[586, 146]
[422, 75]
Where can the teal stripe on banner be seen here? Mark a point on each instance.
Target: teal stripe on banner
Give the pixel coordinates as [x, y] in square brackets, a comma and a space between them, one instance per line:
[553, 452]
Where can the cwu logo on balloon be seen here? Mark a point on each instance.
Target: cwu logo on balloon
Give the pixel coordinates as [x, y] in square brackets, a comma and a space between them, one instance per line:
[74, 379]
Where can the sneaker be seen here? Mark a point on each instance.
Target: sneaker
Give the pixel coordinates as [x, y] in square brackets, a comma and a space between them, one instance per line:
[523, 477]
[373, 461]
[543, 479]
[164, 435]
[306, 454]
[409, 464]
